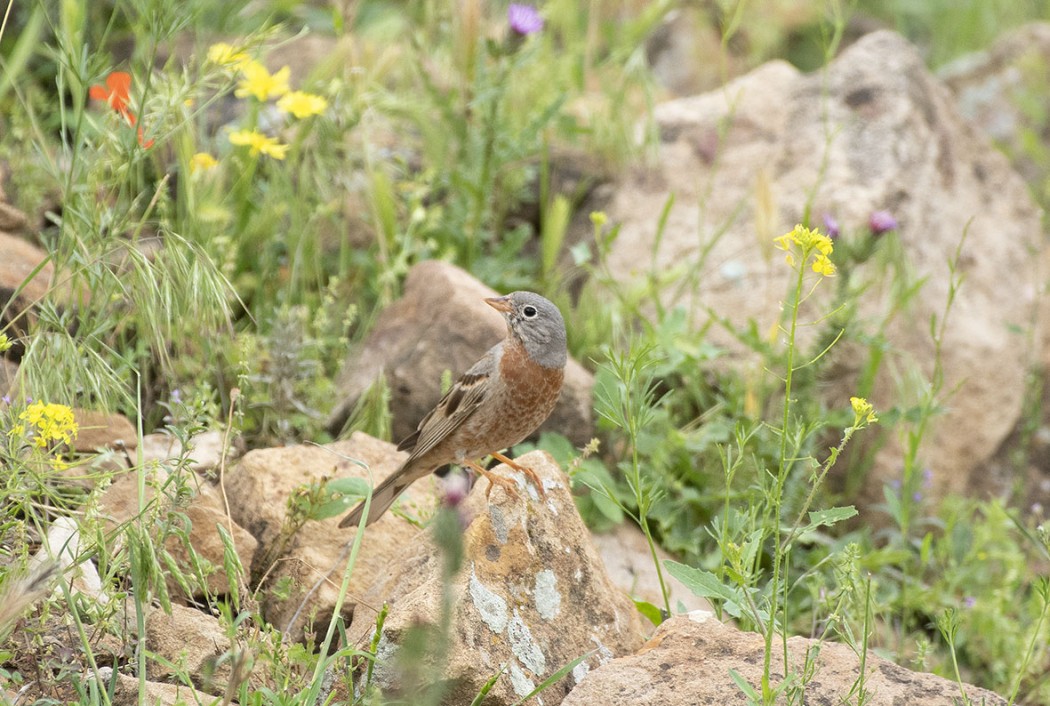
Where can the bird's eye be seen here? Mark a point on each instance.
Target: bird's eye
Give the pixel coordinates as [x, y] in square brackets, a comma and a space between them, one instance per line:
[529, 311]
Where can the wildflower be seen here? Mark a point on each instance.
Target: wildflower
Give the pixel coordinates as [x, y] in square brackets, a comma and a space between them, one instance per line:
[223, 54]
[598, 218]
[455, 490]
[116, 92]
[831, 225]
[823, 265]
[969, 602]
[261, 83]
[808, 243]
[524, 19]
[863, 411]
[49, 422]
[302, 104]
[5, 343]
[202, 161]
[144, 143]
[881, 222]
[259, 143]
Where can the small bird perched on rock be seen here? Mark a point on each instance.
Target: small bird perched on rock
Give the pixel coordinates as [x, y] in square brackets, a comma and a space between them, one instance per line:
[498, 402]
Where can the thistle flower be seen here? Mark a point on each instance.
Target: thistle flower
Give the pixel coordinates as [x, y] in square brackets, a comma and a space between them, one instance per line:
[524, 19]
[881, 222]
[831, 225]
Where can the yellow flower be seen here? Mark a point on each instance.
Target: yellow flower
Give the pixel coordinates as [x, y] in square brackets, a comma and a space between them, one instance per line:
[822, 265]
[51, 422]
[598, 218]
[202, 161]
[259, 82]
[302, 104]
[225, 55]
[808, 243]
[259, 143]
[863, 411]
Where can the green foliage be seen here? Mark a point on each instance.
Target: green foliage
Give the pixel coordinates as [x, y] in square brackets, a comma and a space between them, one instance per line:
[203, 283]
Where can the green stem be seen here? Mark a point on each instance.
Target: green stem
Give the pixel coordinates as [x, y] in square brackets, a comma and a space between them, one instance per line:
[782, 471]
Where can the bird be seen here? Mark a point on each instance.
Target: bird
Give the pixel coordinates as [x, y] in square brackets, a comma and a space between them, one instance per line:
[495, 404]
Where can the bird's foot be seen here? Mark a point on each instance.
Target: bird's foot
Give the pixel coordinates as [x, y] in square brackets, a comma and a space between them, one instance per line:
[529, 473]
[493, 479]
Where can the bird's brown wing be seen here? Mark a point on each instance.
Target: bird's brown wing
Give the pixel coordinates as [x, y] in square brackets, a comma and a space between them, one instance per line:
[458, 404]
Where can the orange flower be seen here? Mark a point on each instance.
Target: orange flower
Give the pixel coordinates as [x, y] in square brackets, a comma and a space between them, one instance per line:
[117, 93]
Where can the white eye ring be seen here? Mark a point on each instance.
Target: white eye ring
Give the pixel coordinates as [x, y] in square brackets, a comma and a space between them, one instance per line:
[529, 311]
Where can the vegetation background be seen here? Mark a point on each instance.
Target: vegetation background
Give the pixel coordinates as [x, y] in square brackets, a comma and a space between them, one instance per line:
[220, 233]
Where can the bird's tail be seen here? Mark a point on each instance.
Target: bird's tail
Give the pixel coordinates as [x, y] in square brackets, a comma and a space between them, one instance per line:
[382, 498]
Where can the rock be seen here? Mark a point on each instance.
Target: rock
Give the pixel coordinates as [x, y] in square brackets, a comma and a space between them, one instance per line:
[194, 643]
[11, 219]
[260, 486]
[201, 514]
[205, 452]
[442, 324]
[102, 430]
[62, 544]
[689, 658]
[1002, 90]
[874, 131]
[531, 594]
[18, 260]
[626, 557]
[8, 375]
[126, 691]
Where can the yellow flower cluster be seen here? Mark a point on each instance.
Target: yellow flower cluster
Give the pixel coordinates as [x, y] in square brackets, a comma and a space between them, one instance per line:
[202, 162]
[257, 82]
[863, 412]
[302, 104]
[808, 243]
[259, 143]
[49, 423]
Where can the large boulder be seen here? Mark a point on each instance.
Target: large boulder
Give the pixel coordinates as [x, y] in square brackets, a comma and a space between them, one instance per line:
[300, 564]
[690, 659]
[531, 595]
[874, 131]
[443, 324]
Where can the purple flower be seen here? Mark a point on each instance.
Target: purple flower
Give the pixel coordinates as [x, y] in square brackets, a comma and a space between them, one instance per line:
[6, 399]
[881, 222]
[969, 602]
[524, 19]
[176, 396]
[831, 226]
[455, 491]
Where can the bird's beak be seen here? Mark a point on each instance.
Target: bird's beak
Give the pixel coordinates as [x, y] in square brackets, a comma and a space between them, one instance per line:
[500, 304]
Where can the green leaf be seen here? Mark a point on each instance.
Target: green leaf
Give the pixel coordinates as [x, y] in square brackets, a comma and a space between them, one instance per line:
[744, 686]
[706, 585]
[651, 612]
[828, 517]
[556, 677]
[487, 686]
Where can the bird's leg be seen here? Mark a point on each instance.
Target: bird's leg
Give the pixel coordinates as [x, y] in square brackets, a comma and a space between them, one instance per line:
[510, 486]
[529, 473]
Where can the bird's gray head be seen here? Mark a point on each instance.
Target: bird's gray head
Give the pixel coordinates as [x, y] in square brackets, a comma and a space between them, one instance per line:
[537, 323]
